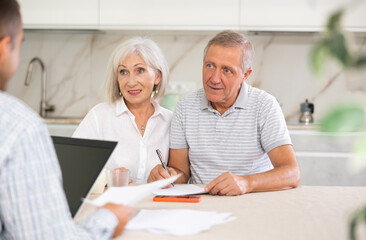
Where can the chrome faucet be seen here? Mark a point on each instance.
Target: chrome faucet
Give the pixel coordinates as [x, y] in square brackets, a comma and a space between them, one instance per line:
[44, 108]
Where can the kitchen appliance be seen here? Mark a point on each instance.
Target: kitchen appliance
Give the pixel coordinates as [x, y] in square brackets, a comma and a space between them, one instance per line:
[307, 110]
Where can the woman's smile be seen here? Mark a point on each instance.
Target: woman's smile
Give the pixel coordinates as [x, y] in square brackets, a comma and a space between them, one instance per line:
[134, 92]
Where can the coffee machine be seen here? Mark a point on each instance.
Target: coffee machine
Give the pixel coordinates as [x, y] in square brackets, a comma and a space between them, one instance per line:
[307, 110]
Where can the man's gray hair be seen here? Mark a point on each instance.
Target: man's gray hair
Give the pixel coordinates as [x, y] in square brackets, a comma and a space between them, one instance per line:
[233, 39]
[149, 52]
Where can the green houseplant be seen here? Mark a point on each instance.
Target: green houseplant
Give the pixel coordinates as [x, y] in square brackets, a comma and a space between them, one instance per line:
[333, 44]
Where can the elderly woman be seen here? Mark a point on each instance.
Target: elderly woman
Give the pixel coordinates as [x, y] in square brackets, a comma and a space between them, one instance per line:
[137, 75]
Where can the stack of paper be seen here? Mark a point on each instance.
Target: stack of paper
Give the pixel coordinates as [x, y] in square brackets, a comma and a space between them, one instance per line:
[184, 189]
[131, 194]
[177, 222]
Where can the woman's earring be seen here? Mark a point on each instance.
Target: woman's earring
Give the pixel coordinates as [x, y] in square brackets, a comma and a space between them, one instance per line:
[120, 93]
[156, 89]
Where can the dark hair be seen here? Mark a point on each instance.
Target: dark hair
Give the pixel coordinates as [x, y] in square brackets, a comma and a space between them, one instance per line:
[10, 19]
[230, 38]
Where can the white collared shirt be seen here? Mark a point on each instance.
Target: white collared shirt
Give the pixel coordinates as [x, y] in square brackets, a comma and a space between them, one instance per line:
[114, 122]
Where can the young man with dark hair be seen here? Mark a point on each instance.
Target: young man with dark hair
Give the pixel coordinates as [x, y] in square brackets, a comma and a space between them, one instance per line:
[32, 201]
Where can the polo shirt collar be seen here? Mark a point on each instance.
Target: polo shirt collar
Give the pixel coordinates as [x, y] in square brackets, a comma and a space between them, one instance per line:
[240, 101]
[205, 104]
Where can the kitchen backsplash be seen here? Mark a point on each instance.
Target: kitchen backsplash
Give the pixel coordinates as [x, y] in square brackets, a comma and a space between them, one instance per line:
[76, 62]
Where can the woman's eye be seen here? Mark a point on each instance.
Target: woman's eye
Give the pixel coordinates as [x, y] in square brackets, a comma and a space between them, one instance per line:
[123, 72]
[140, 70]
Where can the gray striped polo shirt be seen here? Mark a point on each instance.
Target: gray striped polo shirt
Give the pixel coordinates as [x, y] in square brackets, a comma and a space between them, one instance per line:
[237, 141]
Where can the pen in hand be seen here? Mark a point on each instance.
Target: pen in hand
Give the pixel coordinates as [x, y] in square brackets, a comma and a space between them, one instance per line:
[162, 163]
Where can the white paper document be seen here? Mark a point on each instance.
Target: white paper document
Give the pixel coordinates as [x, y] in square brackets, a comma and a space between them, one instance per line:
[177, 222]
[184, 189]
[130, 194]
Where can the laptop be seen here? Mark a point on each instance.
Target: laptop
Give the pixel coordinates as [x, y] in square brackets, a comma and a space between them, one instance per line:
[81, 162]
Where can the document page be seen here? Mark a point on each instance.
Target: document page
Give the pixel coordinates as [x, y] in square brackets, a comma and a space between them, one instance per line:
[180, 189]
[130, 194]
[177, 221]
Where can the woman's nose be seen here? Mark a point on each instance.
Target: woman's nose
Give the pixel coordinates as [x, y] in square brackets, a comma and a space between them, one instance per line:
[132, 80]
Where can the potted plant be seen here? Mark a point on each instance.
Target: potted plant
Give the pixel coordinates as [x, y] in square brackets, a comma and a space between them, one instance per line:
[333, 44]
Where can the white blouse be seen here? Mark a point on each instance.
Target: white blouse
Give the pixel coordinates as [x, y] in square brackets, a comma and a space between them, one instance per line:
[114, 122]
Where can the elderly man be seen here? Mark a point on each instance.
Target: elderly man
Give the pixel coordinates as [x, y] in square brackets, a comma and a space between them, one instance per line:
[230, 136]
[32, 201]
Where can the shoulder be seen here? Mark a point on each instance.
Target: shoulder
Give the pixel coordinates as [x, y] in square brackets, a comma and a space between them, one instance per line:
[193, 99]
[194, 96]
[15, 113]
[101, 110]
[104, 107]
[260, 98]
[16, 119]
[166, 113]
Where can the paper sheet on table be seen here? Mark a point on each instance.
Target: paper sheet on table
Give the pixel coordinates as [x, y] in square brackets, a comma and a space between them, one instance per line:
[178, 221]
[184, 189]
[130, 194]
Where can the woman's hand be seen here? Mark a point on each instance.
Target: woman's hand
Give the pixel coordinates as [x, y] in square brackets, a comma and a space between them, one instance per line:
[159, 173]
[125, 169]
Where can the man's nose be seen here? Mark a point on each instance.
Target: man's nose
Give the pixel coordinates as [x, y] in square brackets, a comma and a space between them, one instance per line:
[216, 76]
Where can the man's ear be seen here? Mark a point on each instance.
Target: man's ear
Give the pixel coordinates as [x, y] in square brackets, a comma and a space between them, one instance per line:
[246, 75]
[4, 46]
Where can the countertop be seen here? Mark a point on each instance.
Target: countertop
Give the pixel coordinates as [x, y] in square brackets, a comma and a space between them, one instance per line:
[76, 120]
[62, 120]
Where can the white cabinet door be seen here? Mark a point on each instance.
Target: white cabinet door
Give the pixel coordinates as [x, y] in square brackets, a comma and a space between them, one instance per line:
[299, 15]
[60, 13]
[169, 14]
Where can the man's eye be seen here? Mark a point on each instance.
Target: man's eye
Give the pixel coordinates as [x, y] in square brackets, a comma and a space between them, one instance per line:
[209, 65]
[123, 72]
[227, 70]
[140, 70]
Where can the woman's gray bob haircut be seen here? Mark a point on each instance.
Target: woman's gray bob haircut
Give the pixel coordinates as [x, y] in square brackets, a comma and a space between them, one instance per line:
[149, 52]
[230, 38]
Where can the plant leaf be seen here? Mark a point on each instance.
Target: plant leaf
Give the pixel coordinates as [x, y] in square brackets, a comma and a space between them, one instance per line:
[338, 48]
[335, 20]
[318, 57]
[343, 119]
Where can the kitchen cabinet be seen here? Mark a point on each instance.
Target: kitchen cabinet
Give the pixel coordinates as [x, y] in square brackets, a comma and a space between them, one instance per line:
[60, 14]
[325, 158]
[300, 15]
[169, 14]
[202, 15]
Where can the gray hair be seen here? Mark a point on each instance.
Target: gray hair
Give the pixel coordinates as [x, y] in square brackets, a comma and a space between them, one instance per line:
[233, 39]
[149, 52]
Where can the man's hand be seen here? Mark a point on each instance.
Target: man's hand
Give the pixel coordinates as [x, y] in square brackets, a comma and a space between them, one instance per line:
[228, 184]
[122, 213]
[158, 173]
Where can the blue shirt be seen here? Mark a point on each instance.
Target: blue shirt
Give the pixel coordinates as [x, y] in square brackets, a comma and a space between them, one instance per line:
[32, 201]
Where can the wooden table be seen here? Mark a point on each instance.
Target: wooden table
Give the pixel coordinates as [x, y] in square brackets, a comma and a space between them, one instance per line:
[306, 212]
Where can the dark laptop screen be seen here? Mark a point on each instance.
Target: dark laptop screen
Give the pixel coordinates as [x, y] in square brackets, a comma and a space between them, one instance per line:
[81, 161]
